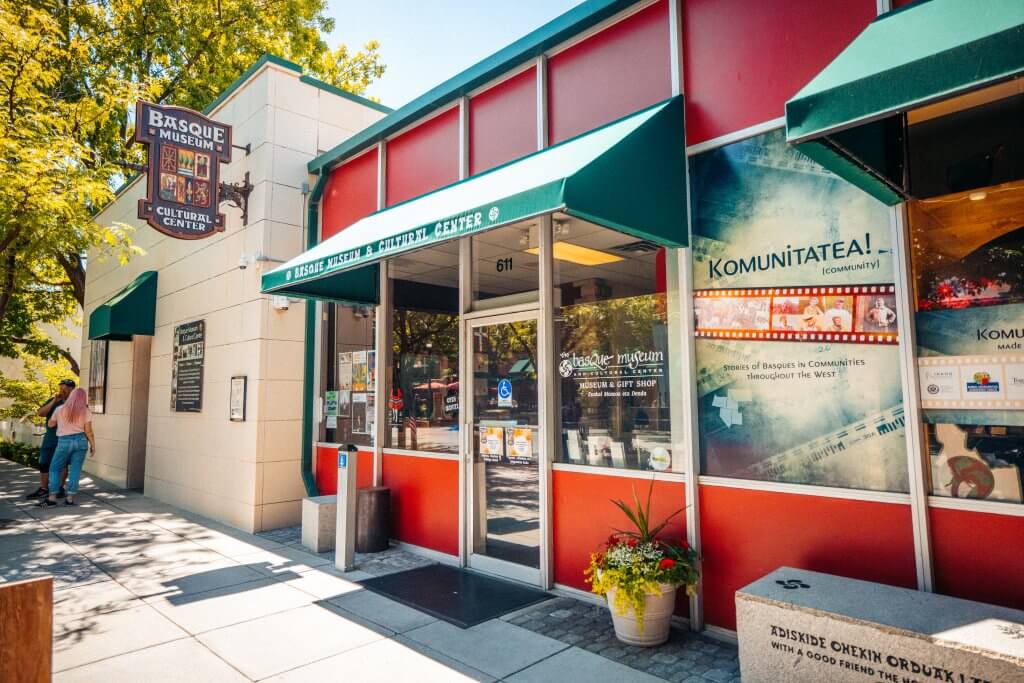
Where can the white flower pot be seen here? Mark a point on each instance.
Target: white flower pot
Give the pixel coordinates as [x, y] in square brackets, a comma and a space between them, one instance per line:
[657, 618]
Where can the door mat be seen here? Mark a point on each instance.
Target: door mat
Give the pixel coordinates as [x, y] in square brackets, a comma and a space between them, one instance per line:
[460, 597]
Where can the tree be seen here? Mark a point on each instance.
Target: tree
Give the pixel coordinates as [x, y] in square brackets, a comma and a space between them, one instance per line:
[70, 72]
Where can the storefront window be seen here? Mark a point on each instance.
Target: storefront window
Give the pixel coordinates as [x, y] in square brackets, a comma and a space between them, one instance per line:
[423, 395]
[798, 370]
[505, 265]
[349, 377]
[613, 352]
[968, 259]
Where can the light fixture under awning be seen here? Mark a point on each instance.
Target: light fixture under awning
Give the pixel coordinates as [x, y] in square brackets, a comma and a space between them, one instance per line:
[628, 176]
[129, 312]
[851, 118]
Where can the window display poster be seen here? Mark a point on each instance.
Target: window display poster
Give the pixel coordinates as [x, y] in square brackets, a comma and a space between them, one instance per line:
[98, 375]
[599, 449]
[970, 317]
[798, 368]
[344, 403]
[331, 403]
[492, 443]
[360, 425]
[359, 373]
[187, 367]
[968, 266]
[765, 215]
[371, 412]
[345, 370]
[519, 446]
[371, 371]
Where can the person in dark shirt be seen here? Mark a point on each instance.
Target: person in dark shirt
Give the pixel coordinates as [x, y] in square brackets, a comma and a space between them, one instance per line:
[49, 444]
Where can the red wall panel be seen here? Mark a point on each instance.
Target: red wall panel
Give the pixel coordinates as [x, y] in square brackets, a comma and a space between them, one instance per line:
[350, 194]
[978, 556]
[423, 158]
[742, 60]
[611, 74]
[424, 501]
[503, 122]
[325, 470]
[584, 517]
[746, 534]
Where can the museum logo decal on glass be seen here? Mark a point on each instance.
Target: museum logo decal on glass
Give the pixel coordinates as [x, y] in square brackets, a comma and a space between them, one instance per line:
[614, 358]
[795, 314]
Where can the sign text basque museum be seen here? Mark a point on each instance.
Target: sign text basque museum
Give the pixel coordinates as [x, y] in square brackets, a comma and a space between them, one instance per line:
[185, 153]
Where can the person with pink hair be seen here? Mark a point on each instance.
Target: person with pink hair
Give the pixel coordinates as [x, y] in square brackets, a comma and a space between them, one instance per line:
[74, 436]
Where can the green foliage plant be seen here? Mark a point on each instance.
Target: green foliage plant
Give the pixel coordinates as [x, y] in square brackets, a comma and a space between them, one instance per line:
[638, 561]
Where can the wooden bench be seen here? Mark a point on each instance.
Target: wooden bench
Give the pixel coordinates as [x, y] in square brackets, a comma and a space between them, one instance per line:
[26, 631]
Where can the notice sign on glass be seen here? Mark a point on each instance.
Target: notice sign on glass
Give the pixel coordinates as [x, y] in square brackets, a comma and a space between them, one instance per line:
[187, 367]
[185, 153]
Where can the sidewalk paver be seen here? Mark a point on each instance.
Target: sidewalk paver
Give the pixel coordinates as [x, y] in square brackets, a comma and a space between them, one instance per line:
[201, 612]
[180, 661]
[379, 610]
[280, 642]
[91, 637]
[495, 647]
[366, 665]
[575, 664]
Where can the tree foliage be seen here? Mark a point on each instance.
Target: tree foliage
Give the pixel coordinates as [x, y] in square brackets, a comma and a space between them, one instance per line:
[70, 73]
[40, 383]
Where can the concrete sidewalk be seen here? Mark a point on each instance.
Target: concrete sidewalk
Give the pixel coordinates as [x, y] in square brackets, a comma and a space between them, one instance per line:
[145, 591]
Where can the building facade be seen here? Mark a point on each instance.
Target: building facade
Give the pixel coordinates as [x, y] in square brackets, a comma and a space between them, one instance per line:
[610, 259]
[245, 472]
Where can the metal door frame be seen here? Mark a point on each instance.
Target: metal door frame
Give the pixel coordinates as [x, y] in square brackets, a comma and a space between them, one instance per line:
[483, 563]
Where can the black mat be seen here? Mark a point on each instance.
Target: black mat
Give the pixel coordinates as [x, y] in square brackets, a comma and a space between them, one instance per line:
[457, 596]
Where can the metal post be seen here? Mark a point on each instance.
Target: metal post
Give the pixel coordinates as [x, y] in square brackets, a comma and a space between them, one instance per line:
[345, 520]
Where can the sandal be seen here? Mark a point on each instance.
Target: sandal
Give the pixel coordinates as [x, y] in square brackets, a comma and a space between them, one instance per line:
[47, 503]
[69, 502]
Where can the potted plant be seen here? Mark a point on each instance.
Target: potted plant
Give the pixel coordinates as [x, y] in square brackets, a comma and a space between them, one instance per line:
[639, 574]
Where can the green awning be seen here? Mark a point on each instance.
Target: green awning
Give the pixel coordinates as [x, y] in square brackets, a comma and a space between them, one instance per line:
[129, 312]
[851, 117]
[628, 176]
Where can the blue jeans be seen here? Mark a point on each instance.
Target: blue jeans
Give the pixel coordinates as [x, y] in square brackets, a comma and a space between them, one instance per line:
[70, 453]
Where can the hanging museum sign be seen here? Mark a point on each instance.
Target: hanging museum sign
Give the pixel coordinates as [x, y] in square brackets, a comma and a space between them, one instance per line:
[185, 152]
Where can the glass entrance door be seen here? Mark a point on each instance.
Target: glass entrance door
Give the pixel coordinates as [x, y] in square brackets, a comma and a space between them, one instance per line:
[504, 499]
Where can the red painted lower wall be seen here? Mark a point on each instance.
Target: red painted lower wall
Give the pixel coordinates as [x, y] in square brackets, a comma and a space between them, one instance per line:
[584, 517]
[978, 556]
[424, 501]
[325, 470]
[746, 534]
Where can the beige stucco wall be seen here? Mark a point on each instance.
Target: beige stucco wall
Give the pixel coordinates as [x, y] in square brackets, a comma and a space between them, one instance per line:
[245, 474]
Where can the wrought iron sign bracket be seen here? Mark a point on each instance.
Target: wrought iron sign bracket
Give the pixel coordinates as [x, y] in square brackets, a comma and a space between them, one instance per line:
[247, 147]
[237, 194]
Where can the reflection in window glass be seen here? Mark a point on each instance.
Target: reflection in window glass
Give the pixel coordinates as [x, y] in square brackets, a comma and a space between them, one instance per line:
[505, 265]
[350, 378]
[423, 394]
[968, 261]
[611, 328]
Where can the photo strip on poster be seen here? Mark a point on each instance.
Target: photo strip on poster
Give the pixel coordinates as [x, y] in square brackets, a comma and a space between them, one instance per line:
[796, 324]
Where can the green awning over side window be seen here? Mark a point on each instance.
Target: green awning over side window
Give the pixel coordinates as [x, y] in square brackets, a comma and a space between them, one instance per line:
[850, 116]
[129, 312]
[629, 175]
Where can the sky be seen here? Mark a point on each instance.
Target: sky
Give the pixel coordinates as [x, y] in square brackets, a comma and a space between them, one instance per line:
[424, 42]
